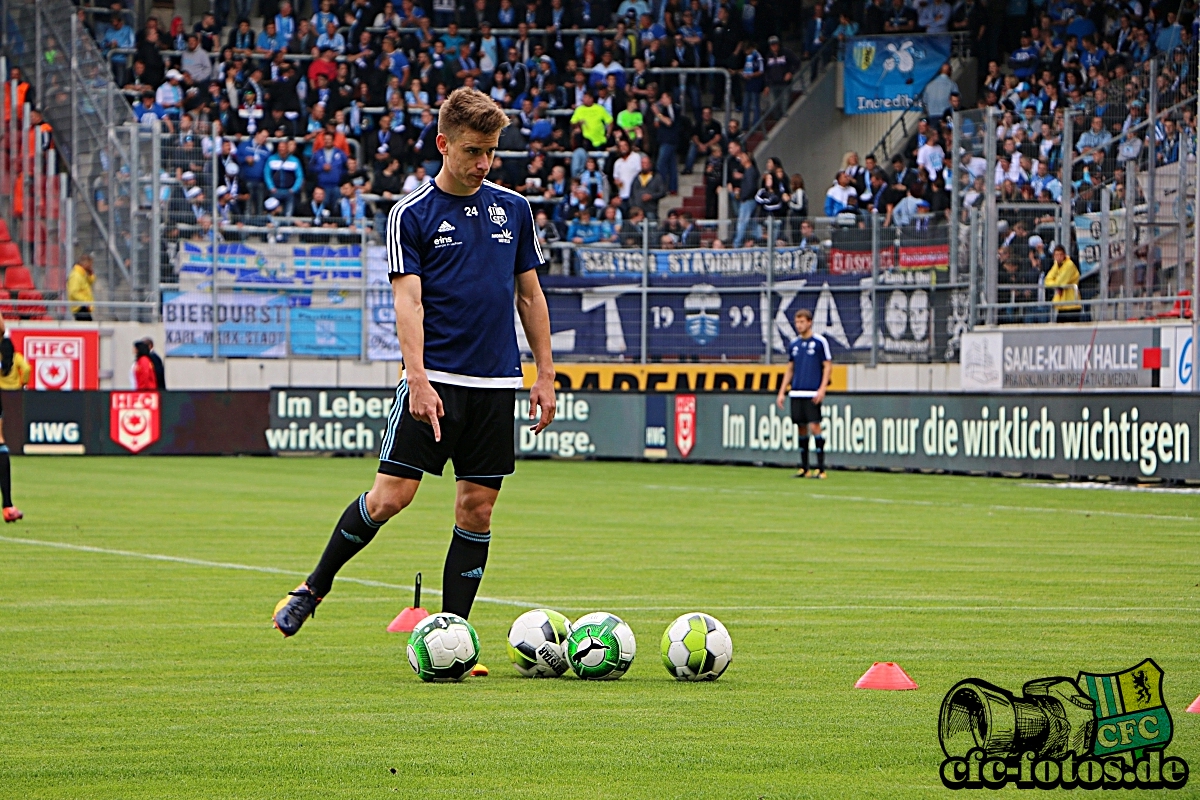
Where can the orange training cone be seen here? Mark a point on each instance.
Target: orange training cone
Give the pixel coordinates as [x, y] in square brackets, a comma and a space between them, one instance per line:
[410, 617]
[885, 675]
[1194, 708]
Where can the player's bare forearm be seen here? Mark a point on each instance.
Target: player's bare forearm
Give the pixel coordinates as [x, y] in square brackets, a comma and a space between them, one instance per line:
[535, 319]
[424, 402]
[785, 384]
[826, 373]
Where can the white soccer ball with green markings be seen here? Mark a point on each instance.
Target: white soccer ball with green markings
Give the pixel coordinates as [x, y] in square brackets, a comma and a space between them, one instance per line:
[537, 643]
[696, 647]
[443, 648]
[601, 647]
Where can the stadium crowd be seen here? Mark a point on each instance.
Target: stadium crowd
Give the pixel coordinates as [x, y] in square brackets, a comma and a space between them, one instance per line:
[328, 114]
[1096, 62]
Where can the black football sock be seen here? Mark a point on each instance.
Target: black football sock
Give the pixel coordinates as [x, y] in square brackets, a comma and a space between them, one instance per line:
[5, 476]
[820, 453]
[464, 569]
[804, 451]
[354, 531]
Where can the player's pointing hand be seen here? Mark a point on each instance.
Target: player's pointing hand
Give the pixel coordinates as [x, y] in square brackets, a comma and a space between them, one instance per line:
[426, 406]
[541, 396]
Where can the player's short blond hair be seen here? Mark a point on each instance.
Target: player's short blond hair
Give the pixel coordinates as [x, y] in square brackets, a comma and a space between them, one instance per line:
[470, 110]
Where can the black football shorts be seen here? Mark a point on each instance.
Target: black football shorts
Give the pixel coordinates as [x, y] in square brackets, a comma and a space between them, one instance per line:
[477, 435]
[804, 411]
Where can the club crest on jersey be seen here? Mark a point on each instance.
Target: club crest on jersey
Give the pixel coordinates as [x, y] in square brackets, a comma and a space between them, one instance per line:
[496, 214]
[503, 237]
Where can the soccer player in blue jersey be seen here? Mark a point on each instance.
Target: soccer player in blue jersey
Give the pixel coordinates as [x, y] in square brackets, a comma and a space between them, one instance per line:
[805, 381]
[458, 250]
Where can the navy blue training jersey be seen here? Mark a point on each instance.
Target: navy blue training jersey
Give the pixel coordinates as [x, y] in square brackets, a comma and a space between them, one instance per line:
[468, 251]
[808, 360]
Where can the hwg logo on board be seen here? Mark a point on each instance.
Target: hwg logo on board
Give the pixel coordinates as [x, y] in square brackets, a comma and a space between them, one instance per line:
[1098, 731]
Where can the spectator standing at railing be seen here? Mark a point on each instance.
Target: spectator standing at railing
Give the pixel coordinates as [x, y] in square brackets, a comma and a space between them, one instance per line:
[241, 38]
[148, 110]
[780, 66]
[936, 96]
[119, 36]
[328, 164]
[706, 135]
[583, 230]
[816, 30]
[252, 157]
[149, 52]
[753, 70]
[330, 39]
[209, 30]
[79, 288]
[648, 189]
[667, 127]
[1063, 277]
[169, 95]
[744, 181]
[284, 177]
[195, 60]
[841, 196]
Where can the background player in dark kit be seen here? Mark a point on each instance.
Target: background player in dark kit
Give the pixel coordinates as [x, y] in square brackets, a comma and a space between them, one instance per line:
[806, 379]
[457, 247]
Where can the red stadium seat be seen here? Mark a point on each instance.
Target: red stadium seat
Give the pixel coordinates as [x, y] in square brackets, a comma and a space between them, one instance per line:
[1182, 308]
[4, 235]
[31, 312]
[18, 277]
[10, 255]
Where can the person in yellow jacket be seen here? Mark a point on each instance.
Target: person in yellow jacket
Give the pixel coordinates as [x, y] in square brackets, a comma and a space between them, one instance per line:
[1063, 277]
[14, 369]
[14, 374]
[79, 288]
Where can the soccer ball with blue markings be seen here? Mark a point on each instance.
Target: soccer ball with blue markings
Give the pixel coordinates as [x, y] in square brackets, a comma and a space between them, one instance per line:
[443, 648]
[537, 643]
[696, 647]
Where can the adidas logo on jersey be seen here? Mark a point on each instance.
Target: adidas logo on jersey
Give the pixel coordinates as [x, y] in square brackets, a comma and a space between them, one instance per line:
[445, 227]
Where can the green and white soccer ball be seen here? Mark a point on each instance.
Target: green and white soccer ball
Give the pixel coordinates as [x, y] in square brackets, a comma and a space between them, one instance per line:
[600, 647]
[537, 643]
[443, 648]
[696, 647]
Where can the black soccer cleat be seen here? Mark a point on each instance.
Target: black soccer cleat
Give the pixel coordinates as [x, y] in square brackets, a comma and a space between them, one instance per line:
[293, 610]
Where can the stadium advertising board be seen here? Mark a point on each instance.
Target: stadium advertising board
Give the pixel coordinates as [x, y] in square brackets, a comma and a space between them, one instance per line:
[353, 422]
[1061, 358]
[257, 264]
[724, 318]
[887, 73]
[329, 332]
[606, 261]
[249, 324]
[346, 421]
[123, 423]
[62, 360]
[1116, 435]
[382, 343]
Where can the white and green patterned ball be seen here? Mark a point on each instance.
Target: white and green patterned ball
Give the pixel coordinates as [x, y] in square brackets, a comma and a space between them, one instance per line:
[443, 648]
[537, 643]
[601, 646]
[696, 647]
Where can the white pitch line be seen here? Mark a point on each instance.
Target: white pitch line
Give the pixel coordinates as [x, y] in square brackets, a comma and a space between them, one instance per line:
[199, 562]
[933, 503]
[1117, 487]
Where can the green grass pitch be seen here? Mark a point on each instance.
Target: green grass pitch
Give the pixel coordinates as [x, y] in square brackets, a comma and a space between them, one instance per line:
[124, 677]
